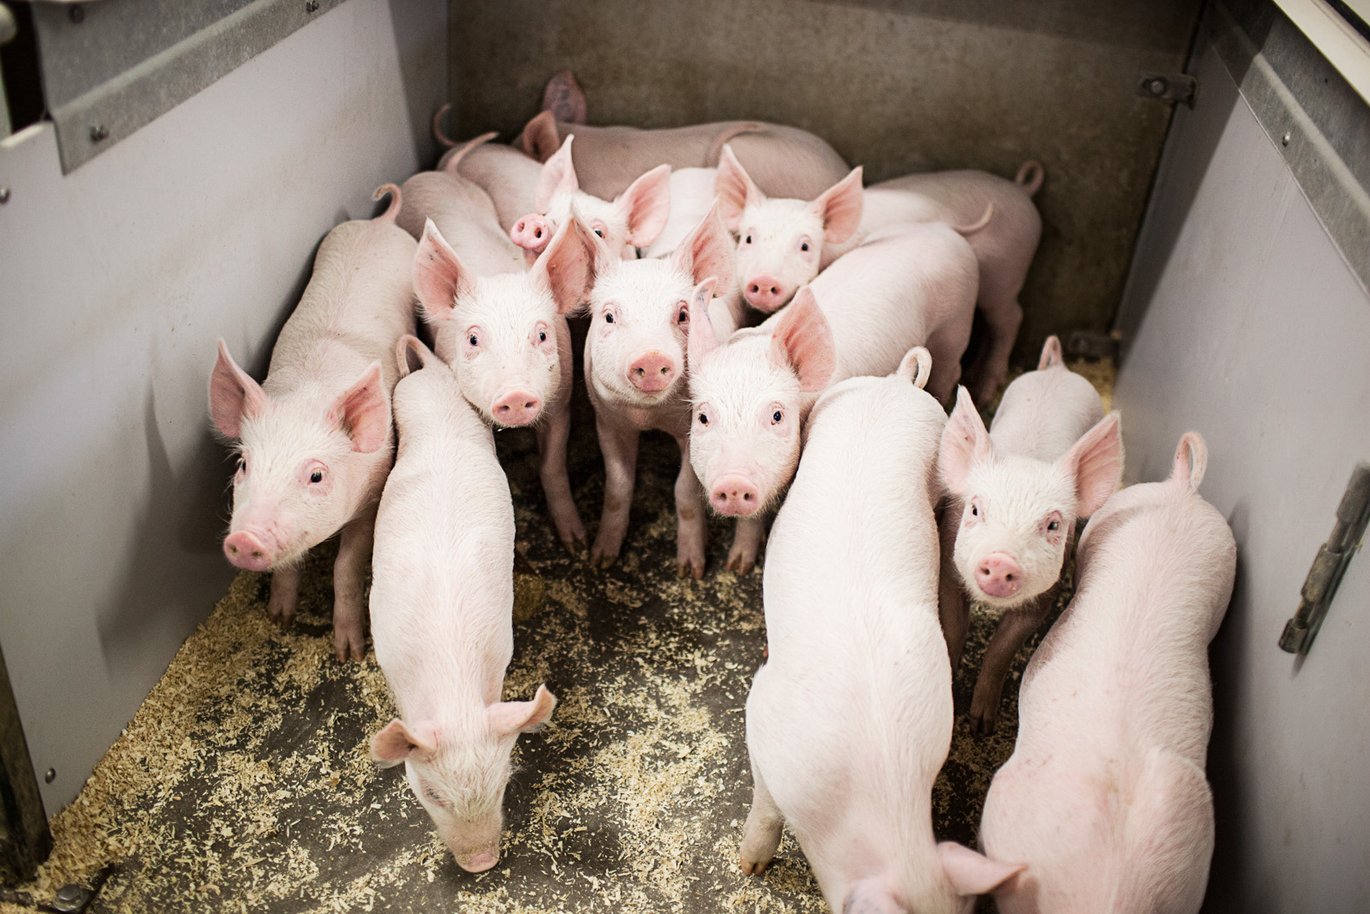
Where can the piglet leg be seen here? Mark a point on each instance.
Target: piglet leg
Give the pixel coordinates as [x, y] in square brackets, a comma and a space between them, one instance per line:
[952, 608]
[1002, 320]
[556, 484]
[692, 526]
[747, 540]
[619, 447]
[1015, 627]
[354, 555]
[285, 594]
[761, 834]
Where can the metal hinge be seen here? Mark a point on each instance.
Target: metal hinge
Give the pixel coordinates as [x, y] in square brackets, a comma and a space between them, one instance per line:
[1330, 564]
[1174, 87]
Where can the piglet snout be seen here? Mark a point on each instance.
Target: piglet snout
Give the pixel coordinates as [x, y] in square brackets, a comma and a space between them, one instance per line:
[764, 293]
[247, 551]
[478, 862]
[518, 407]
[998, 575]
[734, 495]
[531, 233]
[652, 371]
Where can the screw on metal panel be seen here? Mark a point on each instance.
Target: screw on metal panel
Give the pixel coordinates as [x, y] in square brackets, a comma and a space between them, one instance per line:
[1157, 86]
[99, 133]
[49, 776]
[77, 14]
[4, 195]
[312, 6]
[1284, 140]
[71, 898]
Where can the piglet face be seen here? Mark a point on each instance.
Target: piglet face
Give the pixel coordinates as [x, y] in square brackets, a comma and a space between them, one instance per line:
[780, 243]
[459, 769]
[639, 323]
[305, 461]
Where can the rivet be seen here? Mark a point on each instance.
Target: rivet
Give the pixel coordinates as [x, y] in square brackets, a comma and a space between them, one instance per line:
[311, 6]
[77, 14]
[1157, 86]
[99, 133]
[49, 776]
[4, 195]
[1284, 140]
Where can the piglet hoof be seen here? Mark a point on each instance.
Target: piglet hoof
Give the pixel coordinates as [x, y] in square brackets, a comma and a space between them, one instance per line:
[349, 643]
[601, 556]
[753, 867]
[571, 532]
[740, 560]
[984, 715]
[689, 568]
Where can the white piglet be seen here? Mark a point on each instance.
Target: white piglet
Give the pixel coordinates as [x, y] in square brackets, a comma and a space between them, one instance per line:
[1050, 457]
[849, 721]
[915, 287]
[442, 597]
[314, 440]
[503, 327]
[1105, 796]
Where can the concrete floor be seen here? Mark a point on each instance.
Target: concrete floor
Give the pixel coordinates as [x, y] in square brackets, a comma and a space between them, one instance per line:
[244, 782]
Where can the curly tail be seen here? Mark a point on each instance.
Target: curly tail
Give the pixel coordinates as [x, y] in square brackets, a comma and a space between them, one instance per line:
[1029, 177]
[438, 117]
[978, 224]
[724, 136]
[452, 158]
[393, 209]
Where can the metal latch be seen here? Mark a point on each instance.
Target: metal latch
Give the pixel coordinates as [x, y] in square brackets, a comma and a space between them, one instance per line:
[1174, 87]
[1330, 564]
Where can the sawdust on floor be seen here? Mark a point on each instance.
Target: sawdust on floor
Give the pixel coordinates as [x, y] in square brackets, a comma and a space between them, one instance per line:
[244, 782]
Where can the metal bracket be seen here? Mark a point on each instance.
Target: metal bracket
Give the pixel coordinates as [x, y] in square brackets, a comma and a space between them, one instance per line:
[1171, 87]
[1330, 564]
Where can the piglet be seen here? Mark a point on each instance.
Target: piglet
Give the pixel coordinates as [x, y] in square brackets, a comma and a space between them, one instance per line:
[635, 371]
[785, 161]
[1104, 797]
[784, 243]
[1051, 456]
[442, 598]
[314, 440]
[849, 720]
[501, 326]
[750, 395]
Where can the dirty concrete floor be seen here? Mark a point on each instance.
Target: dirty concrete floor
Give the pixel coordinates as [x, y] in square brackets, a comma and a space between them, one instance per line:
[244, 783]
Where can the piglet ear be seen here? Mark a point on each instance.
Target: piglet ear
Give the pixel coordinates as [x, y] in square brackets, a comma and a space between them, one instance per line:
[734, 189]
[439, 277]
[1051, 354]
[840, 207]
[567, 267]
[971, 873]
[965, 442]
[363, 411]
[702, 339]
[803, 340]
[915, 367]
[539, 139]
[510, 717]
[395, 742]
[1096, 463]
[1191, 461]
[708, 251]
[411, 355]
[558, 176]
[646, 205]
[233, 395]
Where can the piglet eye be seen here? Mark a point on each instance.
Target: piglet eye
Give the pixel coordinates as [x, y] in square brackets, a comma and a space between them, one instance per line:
[473, 340]
[542, 336]
[683, 317]
[1053, 526]
[608, 317]
[804, 247]
[974, 509]
[242, 464]
[316, 477]
[599, 232]
[777, 417]
[703, 419]
[747, 240]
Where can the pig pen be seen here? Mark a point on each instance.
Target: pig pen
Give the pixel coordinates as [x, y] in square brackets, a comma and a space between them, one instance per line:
[1205, 219]
[244, 782]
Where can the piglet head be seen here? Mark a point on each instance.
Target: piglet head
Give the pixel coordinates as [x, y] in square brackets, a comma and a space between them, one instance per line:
[500, 333]
[1018, 514]
[632, 220]
[640, 316]
[749, 397]
[459, 768]
[780, 241]
[305, 460]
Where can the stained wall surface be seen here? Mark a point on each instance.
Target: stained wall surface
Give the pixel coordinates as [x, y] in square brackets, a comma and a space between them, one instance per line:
[896, 86]
[1245, 322]
[118, 279]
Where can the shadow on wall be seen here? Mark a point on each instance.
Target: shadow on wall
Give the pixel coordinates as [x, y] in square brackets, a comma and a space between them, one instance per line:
[407, 20]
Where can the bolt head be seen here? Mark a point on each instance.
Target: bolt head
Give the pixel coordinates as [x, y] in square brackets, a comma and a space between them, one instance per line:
[1156, 86]
[99, 133]
[4, 195]
[49, 776]
[1285, 140]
